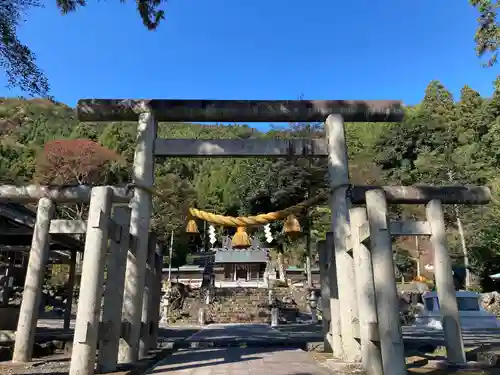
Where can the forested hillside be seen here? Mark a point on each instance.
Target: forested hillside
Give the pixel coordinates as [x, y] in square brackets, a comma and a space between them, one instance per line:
[443, 140]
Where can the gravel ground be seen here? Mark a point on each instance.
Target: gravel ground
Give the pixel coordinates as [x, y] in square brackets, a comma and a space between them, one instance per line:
[58, 363]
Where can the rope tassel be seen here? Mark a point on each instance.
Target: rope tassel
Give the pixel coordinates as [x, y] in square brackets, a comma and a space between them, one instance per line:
[241, 240]
[292, 226]
[192, 227]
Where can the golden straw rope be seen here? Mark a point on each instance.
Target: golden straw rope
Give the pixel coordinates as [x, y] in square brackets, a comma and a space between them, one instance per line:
[245, 221]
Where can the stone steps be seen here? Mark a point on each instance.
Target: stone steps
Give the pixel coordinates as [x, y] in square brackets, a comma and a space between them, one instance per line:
[232, 305]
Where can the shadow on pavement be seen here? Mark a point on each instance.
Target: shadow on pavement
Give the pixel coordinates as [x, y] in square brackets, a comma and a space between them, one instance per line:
[196, 358]
[176, 333]
[282, 361]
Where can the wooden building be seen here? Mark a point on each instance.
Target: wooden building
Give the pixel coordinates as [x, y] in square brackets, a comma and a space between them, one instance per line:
[16, 232]
[240, 264]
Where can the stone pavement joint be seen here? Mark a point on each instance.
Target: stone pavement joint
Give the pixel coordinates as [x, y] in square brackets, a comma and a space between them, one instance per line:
[240, 361]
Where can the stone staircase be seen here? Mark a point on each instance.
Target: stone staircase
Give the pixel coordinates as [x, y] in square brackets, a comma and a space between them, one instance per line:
[233, 305]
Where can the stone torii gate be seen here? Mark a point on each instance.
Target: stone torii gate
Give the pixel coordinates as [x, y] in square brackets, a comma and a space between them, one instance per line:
[149, 112]
[345, 313]
[104, 223]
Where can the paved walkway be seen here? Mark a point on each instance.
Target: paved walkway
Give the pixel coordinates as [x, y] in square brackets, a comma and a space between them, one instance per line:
[411, 335]
[238, 333]
[240, 361]
[255, 360]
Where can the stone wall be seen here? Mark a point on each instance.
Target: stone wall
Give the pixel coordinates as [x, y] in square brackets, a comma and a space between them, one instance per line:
[239, 305]
[232, 305]
[491, 302]
[301, 296]
[247, 305]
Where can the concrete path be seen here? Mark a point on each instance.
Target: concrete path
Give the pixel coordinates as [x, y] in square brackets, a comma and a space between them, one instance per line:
[238, 333]
[258, 359]
[471, 336]
[240, 361]
[411, 335]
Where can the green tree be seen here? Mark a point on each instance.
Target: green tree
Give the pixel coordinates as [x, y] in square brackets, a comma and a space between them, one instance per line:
[403, 264]
[437, 136]
[442, 142]
[419, 150]
[470, 157]
[487, 36]
[484, 250]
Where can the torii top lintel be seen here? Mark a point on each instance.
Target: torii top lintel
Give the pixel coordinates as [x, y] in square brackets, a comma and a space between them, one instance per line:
[240, 110]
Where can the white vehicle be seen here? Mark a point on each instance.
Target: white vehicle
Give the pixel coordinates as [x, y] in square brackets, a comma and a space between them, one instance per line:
[472, 313]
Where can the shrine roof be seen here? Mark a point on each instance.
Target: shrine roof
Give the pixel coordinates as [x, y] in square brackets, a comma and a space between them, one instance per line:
[241, 256]
[16, 231]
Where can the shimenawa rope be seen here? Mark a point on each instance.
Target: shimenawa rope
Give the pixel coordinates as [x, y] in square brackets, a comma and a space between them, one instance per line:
[245, 221]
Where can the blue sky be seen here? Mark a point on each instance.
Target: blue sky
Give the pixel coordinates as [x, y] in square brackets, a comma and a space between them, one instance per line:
[258, 49]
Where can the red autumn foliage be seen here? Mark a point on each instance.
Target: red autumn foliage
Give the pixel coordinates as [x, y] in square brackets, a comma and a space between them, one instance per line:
[74, 161]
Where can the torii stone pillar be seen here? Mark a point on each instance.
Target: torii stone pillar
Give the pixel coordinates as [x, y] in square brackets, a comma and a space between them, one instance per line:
[325, 264]
[156, 298]
[144, 342]
[389, 326]
[444, 285]
[70, 285]
[91, 284]
[32, 294]
[113, 294]
[334, 333]
[367, 304]
[339, 175]
[141, 205]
